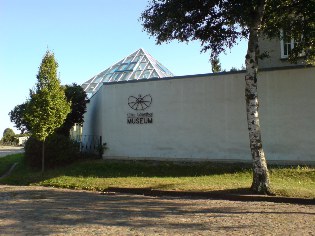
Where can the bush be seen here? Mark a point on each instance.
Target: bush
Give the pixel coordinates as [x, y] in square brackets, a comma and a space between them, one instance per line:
[9, 137]
[59, 150]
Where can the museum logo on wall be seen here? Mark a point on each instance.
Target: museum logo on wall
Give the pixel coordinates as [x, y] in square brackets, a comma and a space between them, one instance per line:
[139, 104]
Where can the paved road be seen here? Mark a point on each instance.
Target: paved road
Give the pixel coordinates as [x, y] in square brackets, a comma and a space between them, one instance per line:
[48, 211]
[7, 150]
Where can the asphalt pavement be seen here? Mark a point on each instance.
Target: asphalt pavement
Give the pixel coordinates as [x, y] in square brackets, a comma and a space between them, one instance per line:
[8, 150]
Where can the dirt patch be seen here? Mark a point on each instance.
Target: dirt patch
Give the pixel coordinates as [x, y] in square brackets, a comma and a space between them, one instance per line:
[43, 211]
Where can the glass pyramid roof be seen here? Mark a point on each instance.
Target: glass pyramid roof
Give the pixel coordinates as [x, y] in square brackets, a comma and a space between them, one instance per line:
[136, 66]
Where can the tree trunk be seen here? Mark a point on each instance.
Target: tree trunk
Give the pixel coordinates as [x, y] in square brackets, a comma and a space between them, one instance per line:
[261, 183]
[43, 157]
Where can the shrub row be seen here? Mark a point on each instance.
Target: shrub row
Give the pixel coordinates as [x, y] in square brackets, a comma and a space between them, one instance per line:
[59, 150]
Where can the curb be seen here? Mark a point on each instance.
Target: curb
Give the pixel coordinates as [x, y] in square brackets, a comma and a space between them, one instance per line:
[211, 195]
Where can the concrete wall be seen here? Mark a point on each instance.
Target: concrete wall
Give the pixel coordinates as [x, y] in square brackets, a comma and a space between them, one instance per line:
[204, 117]
[288, 114]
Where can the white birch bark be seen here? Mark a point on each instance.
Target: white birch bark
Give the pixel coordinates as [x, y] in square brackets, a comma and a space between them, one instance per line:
[261, 183]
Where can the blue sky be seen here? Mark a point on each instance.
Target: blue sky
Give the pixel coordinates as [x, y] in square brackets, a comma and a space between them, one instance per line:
[86, 37]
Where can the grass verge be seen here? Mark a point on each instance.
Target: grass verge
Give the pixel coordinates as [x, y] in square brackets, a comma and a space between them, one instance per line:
[100, 175]
[7, 161]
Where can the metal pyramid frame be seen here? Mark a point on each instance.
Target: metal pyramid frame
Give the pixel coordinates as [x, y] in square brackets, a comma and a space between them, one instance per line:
[137, 66]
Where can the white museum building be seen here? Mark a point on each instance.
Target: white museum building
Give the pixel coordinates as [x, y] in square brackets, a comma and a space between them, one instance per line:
[143, 112]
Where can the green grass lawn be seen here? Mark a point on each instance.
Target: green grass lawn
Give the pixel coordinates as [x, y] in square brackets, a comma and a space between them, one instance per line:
[7, 161]
[100, 175]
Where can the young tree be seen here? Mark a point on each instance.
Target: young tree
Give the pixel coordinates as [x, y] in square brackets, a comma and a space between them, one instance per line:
[215, 65]
[74, 94]
[219, 24]
[47, 108]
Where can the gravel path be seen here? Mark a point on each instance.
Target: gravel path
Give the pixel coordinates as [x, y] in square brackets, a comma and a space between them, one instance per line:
[48, 211]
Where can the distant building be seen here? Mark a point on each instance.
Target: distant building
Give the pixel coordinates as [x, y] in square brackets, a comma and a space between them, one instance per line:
[278, 51]
[22, 140]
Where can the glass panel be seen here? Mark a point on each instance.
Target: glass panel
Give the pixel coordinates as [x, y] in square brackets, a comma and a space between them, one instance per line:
[132, 77]
[128, 59]
[97, 87]
[137, 66]
[111, 77]
[289, 48]
[106, 78]
[121, 76]
[84, 86]
[288, 43]
[149, 66]
[285, 51]
[98, 79]
[89, 94]
[146, 74]
[125, 76]
[113, 69]
[92, 86]
[131, 66]
[137, 74]
[122, 67]
[116, 77]
[137, 58]
[154, 75]
[142, 65]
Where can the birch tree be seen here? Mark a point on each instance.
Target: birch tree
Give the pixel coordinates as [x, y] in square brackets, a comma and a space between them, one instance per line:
[48, 107]
[218, 25]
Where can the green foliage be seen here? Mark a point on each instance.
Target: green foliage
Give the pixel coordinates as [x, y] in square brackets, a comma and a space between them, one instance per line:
[47, 108]
[219, 25]
[74, 94]
[78, 98]
[18, 118]
[215, 65]
[8, 132]
[297, 18]
[211, 22]
[8, 136]
[59, 149]
[101, 149]
[7, 161]
[234, 69]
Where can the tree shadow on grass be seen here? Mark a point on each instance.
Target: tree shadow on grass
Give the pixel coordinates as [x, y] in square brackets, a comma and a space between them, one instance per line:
[23, 174]
[112, 169]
